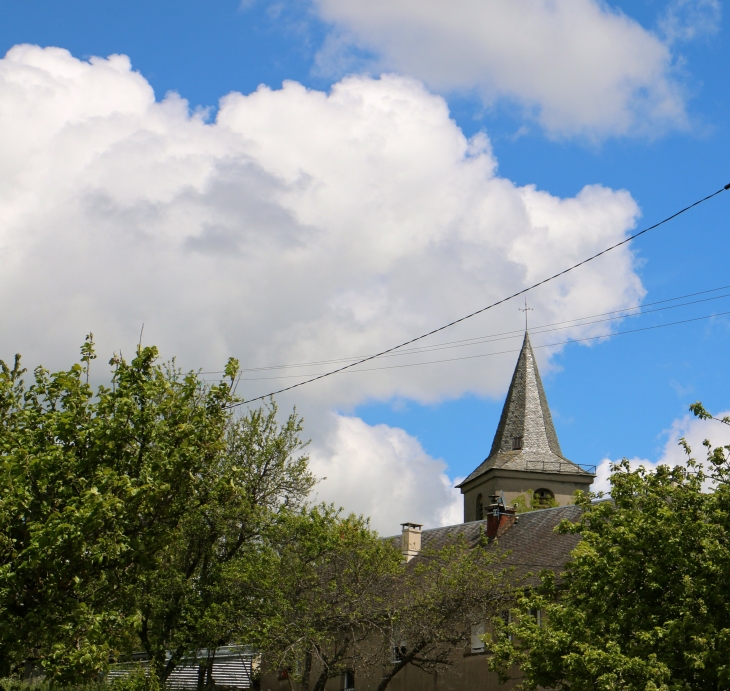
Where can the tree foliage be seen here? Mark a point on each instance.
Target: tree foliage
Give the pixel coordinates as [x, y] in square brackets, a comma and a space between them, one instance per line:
[438, 601]
[146, 516]
[212, 582]
[92, 484]
[529, 501]
[335, 576]
[351, 602]
[645, 601]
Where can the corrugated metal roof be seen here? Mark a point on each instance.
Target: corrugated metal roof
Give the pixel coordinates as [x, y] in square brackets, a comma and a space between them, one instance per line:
[232, 668]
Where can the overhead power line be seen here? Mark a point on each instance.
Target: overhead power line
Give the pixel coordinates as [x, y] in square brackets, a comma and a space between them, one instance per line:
[502, 352]
[488, 307]
[624, 313]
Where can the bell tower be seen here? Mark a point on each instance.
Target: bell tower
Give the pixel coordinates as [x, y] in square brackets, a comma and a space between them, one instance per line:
[525, 456]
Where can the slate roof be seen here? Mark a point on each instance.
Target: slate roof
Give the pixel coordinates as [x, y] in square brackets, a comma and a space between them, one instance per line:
[526, 415]
[532, 543]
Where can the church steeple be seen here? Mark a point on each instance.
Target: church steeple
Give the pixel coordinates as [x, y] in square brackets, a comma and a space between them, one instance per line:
[526, 446]
[526, 415]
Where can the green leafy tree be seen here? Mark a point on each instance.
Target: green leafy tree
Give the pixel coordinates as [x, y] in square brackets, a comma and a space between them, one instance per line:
[211, 585]
[438, 602]
[332, 596]
[92, 486]
[349, 602]
[644, 602]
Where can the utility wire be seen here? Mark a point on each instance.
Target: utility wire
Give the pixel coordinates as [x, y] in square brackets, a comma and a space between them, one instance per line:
[502, 352]
[488, 307]
[506, 335]
[543, 330]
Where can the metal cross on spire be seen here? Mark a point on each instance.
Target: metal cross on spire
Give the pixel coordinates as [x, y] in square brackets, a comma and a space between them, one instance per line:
[525, 310]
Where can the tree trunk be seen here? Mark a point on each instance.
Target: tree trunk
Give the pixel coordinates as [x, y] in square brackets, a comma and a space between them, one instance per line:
[306, 671]
[209, 672]
[397, 667]
[158, 666]
[321, 681]
[202, 668]
[169, 667]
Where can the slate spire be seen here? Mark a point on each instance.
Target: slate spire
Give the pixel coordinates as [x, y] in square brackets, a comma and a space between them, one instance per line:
[526, 438]
[526, 415]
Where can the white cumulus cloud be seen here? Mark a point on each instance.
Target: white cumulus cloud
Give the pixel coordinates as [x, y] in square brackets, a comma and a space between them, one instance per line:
[299, 226]
[580, 67]
[383, 472]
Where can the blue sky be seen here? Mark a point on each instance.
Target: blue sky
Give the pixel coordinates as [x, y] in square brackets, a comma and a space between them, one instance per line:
[615, 398]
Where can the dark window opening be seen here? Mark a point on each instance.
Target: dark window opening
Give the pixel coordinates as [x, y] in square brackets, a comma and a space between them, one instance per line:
[480, 508]
[399, 652]
[516, 443]
[544, 497]
[506, 618]
[348, 681]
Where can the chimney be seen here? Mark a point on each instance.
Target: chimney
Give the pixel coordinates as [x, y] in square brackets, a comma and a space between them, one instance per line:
[410, 544]
[500, 518]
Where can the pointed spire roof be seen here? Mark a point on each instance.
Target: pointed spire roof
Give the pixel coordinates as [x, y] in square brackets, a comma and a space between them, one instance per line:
[526, 438]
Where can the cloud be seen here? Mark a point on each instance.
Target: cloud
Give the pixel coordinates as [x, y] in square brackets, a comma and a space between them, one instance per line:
[687, 20]
[690, 428]
[298, 227]
[578, 67]
[384, 472]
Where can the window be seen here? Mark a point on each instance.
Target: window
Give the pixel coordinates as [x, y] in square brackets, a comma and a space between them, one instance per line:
[544, 497]
[348, 681]
[516, 443]
[480, 508]
[477, 631]
[506, 617]
[398, 652]
[537, 613]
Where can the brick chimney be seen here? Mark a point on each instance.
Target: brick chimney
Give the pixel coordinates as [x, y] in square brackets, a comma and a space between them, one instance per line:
[410, 544]
[500, 518]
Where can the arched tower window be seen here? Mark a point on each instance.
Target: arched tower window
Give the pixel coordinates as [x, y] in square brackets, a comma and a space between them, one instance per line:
[544, 497]
[480, 508]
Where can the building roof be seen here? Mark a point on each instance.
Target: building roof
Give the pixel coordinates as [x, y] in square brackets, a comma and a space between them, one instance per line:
[531, 543]
[526, 416]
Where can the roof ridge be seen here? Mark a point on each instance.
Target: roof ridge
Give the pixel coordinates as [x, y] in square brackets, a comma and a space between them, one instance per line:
[484, 520]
